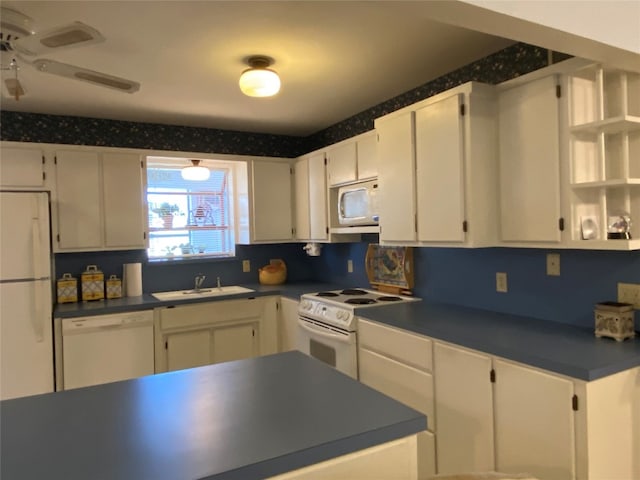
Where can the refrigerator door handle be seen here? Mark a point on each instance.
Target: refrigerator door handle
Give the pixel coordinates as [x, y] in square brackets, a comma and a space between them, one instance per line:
[38, 318]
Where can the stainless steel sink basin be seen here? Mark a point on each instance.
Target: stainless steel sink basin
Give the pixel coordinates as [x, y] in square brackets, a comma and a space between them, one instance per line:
[203, 292]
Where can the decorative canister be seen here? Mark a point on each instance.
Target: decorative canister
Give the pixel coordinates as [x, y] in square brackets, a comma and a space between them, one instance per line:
[67, 289]
[92, 281]
[114, 287]
[614, 320]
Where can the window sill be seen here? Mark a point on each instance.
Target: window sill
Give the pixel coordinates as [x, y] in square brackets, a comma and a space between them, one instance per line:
[172, 260]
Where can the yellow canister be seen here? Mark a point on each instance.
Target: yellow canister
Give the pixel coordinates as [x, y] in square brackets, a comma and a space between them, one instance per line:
[114, 287]
[92, 281]
[67, 287]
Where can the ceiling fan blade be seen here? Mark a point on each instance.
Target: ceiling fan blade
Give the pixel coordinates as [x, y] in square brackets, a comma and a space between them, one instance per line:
[91, 76]
[14, 87]
[72, 35]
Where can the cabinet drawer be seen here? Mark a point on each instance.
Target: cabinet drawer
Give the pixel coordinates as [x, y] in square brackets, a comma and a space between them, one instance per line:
[210, 312]
[406, 347]
[406, 384]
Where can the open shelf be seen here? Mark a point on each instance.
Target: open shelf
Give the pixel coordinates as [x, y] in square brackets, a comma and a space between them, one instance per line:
[604, 153]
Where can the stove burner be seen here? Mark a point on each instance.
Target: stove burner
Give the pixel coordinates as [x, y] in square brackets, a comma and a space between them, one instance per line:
[360, 301]
[353, 291]
[326, 294]
[388, 299]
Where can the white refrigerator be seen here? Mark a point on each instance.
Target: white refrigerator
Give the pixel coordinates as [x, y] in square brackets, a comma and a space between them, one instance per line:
[26, 346]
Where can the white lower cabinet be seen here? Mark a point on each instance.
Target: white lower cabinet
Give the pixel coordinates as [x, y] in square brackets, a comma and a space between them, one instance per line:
[534, 422]
[398, 364]
[464, 440]
[486, 413]
[205, 333]
[288, 324]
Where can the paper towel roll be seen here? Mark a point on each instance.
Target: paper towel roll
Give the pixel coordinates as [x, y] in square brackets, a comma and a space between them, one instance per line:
[133, 279]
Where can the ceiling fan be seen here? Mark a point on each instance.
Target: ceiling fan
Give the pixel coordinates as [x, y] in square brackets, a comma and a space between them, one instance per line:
[22, 45]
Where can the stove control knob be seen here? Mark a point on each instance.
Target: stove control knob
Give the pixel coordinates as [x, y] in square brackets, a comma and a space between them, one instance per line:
[306, 305]
[341, 315]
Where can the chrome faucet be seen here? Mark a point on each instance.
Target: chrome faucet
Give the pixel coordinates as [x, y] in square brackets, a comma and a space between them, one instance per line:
[198, 281]
[219, 285]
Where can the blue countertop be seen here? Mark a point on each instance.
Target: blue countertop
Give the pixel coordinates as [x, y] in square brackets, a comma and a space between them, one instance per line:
[553, 346]
[148, 302]
[246, 420]
[564, 349]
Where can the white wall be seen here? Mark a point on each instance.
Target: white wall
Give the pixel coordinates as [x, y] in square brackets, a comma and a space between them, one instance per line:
[613, 22]
[606, 31]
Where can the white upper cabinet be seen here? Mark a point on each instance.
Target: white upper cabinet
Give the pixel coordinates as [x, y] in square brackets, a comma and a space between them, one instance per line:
[271, 200]
[367, 150]
[22, 168]
[396, 173]
[603, 143]
[440, 170]
[352, 160]
[342, 163]
[99, 201]
[78, 201]
[530, 162]
[311, 197]
[437, 170]
[124, 206]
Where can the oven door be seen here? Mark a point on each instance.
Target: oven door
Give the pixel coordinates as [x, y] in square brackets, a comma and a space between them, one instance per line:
[328, 344]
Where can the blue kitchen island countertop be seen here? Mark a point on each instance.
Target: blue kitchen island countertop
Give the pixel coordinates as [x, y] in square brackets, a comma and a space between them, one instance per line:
[246, 419]
[557, 347]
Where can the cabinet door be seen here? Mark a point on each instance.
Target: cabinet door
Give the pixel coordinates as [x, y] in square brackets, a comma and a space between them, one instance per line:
[464, 428]
[317, 198]
[529, 162]
[21, 167]
[440, 171]
[396, 169]
[78, 200]
[124, 201]
[234, 342]
[272, 219]
[288, 324]
[301, 179]
[367, 153]
[534, 422]
[188, 349]
[341, 164]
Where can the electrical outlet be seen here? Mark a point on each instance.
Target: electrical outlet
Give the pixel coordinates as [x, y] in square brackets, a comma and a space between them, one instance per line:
[246, 266]
[349, 266]
[553, 264]
[501, 282]
[629, 293]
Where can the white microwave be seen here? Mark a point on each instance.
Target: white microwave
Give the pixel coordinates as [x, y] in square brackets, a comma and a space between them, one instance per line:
[358, 203]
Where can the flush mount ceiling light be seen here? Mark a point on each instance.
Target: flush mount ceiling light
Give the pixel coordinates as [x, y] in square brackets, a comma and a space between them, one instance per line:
[195, 171]
[259, 80]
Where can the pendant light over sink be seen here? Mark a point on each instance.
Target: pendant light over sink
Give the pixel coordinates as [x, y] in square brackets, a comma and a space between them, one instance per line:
[259, 80]
[195, 172]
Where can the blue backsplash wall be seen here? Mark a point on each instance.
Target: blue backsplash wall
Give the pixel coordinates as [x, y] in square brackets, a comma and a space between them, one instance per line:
[467, 277]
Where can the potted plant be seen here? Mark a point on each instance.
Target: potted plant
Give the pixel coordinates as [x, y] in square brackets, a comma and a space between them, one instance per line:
[166, 211]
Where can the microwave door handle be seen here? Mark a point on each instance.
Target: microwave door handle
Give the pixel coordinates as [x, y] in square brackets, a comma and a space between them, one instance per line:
[341, 205]
[322, 333]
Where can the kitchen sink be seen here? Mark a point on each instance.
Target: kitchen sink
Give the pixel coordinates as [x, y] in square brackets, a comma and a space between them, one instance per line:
[201, 293]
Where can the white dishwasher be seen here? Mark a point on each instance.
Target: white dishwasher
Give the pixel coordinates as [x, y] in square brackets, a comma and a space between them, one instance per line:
[107, 348]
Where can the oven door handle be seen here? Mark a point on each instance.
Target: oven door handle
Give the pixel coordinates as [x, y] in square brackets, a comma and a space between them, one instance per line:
[321, 333]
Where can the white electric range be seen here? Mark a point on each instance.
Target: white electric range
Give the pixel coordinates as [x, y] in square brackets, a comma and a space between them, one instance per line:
[327, 324]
